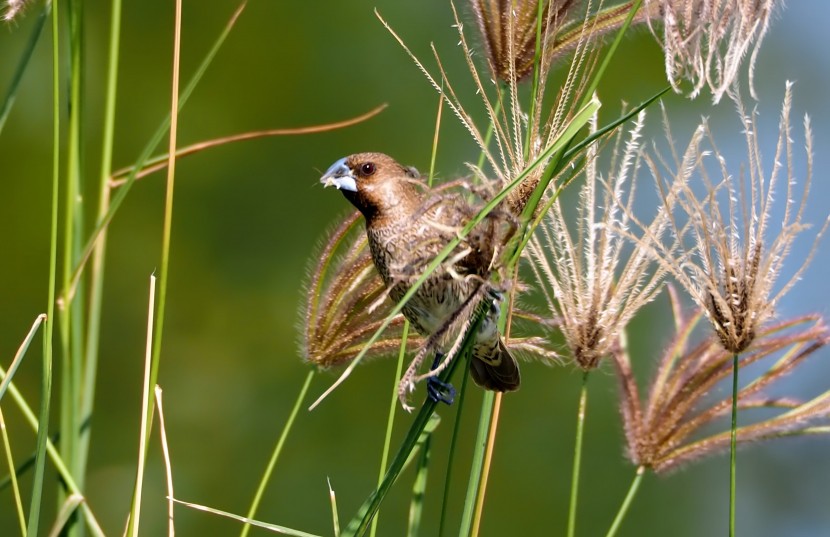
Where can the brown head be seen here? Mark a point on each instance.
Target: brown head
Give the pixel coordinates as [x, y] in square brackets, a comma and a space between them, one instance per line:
[376, 185]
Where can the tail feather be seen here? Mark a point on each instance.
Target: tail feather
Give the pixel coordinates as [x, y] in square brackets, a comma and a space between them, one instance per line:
[494, 368]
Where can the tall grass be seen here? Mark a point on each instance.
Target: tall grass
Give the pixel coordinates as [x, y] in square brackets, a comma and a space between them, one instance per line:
[515, 146]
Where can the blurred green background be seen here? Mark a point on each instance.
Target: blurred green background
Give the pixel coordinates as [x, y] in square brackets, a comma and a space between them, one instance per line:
[247, 218]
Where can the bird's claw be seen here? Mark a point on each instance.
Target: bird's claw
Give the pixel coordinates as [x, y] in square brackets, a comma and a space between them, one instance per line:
[440, 391]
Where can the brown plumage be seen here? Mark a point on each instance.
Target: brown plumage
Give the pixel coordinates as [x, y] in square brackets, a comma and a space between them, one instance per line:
[407, 224]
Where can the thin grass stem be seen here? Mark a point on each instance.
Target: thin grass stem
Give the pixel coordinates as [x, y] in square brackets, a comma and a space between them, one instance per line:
[18, 500]
[48, 329]
[477, 464]
[390, 421]
[580, 430]
[168, 467]
[416, 506]
[360, 522]
[629, 498]
[146, 421]
[146, 153]
[96, 287]
[488, 459]
[456, 434]
[733, 445]
[30, 417]
[272, 463]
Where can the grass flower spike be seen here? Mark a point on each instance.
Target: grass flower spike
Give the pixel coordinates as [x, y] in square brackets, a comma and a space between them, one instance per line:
[705, 41]
[662, 430]
[732, 269]
[582, 273]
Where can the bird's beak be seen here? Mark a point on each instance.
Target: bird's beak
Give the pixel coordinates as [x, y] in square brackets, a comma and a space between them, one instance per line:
[340, 176]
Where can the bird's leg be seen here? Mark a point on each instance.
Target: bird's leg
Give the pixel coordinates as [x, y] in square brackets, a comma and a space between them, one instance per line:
[438, 390]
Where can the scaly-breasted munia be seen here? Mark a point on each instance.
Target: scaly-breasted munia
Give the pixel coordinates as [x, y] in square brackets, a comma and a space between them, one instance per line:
[407, 224]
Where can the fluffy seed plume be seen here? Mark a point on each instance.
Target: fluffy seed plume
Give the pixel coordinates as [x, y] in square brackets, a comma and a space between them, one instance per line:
[591, 282]
[739, 248]
[705, 41]
[662, 430]
[13, 9]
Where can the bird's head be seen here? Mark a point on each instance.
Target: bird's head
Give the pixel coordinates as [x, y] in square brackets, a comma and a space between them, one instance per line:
[375, 184]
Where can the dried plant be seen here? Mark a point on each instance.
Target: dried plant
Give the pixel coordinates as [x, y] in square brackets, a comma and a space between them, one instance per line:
[510, 30]
[732, 268]
[581, 272]
[662, 431]
[521, 136]
[705, 41]
[345, 303]
[342, 308]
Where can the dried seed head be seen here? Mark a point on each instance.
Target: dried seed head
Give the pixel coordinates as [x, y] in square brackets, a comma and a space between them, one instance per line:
[591, 283]
[345, 302]
[705, 41]
[731, 269]
[510, 29]
[662, 430]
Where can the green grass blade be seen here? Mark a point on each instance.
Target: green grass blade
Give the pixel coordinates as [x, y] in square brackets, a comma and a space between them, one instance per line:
[18, 499]
[424, 424]
[264, 525]
[34, 37]
[96, 286]
[477, 465]
[68, 508]
[21, 352]
[733, 445]
[46, 373]
[390, 420]
[334, 518]
[456, 433]
[580, 430]
[416, 506]
[629, 498]
[54, 456]
[269, 470]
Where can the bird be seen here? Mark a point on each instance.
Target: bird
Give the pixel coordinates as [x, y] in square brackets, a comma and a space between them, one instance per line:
[407, 225]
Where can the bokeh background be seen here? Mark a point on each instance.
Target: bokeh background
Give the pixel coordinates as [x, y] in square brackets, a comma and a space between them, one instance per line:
[249, 216]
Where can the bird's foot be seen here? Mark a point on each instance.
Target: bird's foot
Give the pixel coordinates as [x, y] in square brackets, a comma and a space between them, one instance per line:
[438, 390]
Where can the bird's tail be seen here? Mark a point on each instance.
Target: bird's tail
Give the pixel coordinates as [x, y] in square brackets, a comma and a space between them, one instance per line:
[494, 368]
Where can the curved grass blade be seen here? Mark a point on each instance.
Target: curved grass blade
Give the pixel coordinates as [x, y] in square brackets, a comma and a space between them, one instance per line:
[264, 525]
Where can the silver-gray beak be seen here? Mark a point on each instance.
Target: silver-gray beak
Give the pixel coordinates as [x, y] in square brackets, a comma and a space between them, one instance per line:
[340, 176]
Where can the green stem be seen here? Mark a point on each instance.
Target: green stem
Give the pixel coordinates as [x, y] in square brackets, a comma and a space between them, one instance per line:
[269, 470]
[97, 272]
[733, 445]
[360, 523]
[390, 420]
[46, 378]
[632, 491]
[580, 429]
[456, 434]
[477, 465]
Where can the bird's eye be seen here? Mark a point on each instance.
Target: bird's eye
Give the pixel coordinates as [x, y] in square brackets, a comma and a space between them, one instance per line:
[367, 168]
